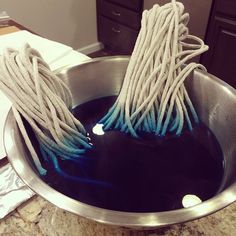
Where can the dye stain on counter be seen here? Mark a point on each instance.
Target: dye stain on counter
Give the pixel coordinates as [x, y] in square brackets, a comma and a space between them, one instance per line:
[140, 175]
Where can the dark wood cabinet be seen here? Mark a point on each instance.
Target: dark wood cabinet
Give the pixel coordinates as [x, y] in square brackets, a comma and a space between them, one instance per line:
[136, 5]
[220, 60]
[119, 24]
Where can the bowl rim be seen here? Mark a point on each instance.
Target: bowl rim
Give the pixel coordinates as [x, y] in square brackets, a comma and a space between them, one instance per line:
[105, 216]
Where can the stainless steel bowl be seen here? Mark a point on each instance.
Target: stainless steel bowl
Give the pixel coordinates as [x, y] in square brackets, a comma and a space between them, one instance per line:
[215, 102]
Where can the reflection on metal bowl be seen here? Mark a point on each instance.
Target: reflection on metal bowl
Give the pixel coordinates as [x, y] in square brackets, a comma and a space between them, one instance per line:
[215, 102]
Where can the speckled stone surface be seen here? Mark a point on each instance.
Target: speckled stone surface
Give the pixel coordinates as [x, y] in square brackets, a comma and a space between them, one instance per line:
[38, 217]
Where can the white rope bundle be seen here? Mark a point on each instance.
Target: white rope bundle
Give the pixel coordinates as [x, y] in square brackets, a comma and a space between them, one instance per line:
[44, 101]
[153, 97]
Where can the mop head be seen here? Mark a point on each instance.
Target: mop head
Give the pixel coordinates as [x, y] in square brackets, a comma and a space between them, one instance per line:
[44, 101]
[153, 97]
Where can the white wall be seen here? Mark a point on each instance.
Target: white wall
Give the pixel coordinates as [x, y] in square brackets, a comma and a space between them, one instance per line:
[72, 22]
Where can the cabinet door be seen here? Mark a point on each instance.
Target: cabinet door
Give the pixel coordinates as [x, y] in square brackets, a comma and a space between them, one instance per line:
[220, 60]
[120, 14]
[119, 38]
[135, 5]
[227, 7]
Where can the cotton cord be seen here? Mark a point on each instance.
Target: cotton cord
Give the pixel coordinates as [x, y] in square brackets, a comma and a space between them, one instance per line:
[153, 97]
[44, 101]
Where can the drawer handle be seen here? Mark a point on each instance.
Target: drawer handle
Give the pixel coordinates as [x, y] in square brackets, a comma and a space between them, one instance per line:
[115, 30]
[115, 13]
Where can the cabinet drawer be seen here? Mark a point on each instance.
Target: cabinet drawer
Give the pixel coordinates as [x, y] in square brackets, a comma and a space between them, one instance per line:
[116, 36]
[120, 14]
[227, 7]
[135, 5]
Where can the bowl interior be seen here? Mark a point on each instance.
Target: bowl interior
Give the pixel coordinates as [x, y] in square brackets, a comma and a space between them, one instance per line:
[214, 101]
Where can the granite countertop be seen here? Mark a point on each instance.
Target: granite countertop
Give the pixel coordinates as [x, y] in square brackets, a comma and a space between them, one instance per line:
[38, 217]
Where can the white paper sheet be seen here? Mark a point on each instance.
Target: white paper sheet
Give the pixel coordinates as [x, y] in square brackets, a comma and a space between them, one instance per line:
[50, 50]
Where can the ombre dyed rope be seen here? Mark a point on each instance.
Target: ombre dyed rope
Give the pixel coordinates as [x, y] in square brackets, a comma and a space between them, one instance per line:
[153, 97]
[44, 101]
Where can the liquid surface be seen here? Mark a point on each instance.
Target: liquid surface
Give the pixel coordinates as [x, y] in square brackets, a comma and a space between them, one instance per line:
[140, 175]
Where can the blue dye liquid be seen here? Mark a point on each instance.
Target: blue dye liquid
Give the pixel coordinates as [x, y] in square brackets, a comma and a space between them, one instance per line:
[149, 174]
